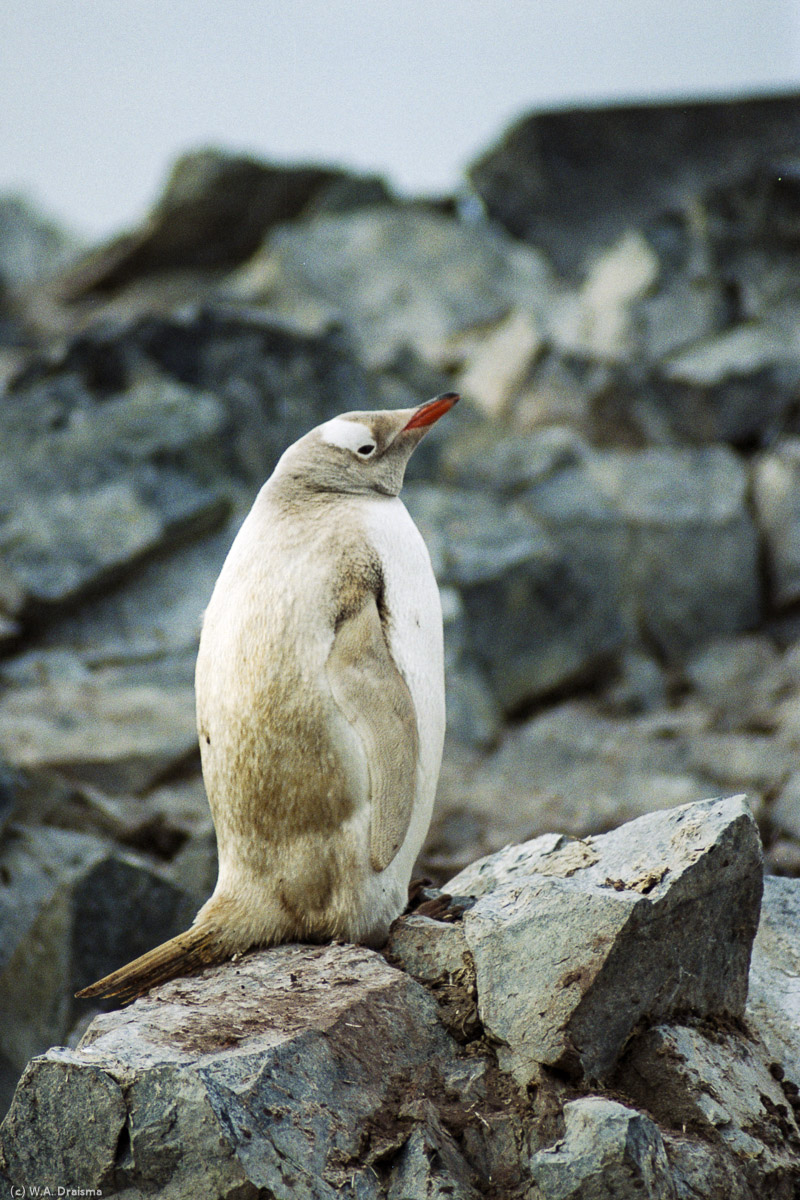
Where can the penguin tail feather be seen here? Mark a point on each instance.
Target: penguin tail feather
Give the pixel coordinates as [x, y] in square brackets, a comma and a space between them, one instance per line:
[199, 946]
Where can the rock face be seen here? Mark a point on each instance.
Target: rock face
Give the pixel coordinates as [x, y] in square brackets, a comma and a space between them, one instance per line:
[314, 1070]
[607, 1150]
[573, 181]
[573, 944]
[325, 1071]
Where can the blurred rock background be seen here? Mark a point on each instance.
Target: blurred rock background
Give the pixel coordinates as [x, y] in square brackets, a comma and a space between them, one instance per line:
[612, 512]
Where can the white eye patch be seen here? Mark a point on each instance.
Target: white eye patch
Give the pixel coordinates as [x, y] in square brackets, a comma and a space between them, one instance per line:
[349, 435]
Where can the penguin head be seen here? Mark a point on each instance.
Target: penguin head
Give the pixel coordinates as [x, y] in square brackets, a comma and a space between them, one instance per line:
[359, 452]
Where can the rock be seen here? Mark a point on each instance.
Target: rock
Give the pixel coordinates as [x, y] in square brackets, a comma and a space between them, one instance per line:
[108, 726]
[473, 714]
[214, 212]
[148, 626]
[394, 277]
[699, 1169]
[436, 954]
[774, 1001]
[775, 487]
[32, 246]
[487, 457]
[714, 1080]
[308, 1075]
[664, 536]
[608, 1151]
[572, 182]
[561, 971]
[134, 437]
[740, 678]
[500, 366]
[72, 908]
[691, 556]
[104, 485]
[710, 393]
[430, 1166]
[599, 320]
[574, 769]
[533, 622]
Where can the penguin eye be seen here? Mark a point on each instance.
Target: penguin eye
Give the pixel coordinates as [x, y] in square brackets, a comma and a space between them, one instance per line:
[366, 450]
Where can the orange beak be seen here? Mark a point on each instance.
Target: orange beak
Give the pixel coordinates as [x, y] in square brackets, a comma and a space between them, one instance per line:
[427, 413]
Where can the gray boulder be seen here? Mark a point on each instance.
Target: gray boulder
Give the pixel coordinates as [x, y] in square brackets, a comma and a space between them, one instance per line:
[575, 945]
[79, 908]
[121, 728]
[299, 1071]
[572, 182]
[395, 277]
[533, 621]
[322, 1071]
[132, 438]
[663, 536]
[690, 558]
[715, 1080]
[773, 1005]
[609, 1152]
[215, 210]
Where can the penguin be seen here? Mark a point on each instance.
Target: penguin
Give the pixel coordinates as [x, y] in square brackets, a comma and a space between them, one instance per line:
[320, 703]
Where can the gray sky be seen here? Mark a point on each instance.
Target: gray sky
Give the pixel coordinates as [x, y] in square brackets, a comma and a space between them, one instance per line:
[97, 97]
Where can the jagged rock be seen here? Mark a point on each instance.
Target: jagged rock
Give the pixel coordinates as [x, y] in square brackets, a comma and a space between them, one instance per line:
[533, 621]
[573, 182]
[664, 535]
[215, 210]
[296, 1070]
[473, 713]
[562, 974]
[716, 1080]
[608, 1151]
[774, 1001]
[437, 955]
[699, 1169]
[31, 244]
[431, 1167]
[395, 277]
[72, 907]
[150, 624]
[104, 484]
[775, 489]
[133, 437]
[574, 769]
[691, 551]
[117, 727]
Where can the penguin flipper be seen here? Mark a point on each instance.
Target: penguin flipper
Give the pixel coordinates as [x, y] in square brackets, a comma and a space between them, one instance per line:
[375, 699]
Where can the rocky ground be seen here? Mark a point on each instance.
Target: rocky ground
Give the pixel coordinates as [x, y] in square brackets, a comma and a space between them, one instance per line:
[577, 1027]
[612, 512]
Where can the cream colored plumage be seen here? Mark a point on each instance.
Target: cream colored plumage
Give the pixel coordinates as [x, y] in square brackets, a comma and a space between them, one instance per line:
[320, 702]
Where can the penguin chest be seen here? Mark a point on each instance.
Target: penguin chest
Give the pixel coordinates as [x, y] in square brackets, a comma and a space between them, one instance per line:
[413, 625]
